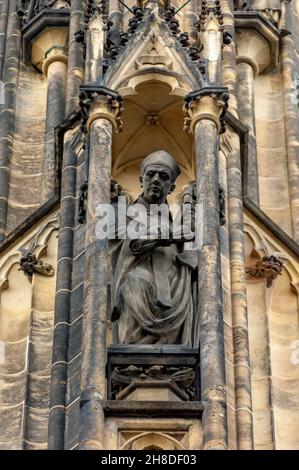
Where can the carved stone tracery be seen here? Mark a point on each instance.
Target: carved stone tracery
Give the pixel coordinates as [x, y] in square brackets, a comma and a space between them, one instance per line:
[154, 440]
[180, 379]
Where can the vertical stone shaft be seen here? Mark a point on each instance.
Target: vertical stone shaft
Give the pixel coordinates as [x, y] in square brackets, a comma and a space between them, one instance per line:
[62, 298]
[3, 27]
[75, 73]
[292, 133]
[56, 75]
[65, 243]
[96, 281]
[239, 301]
[7, 116]
[247, 117]
[212, 52]
[209, 288]
[229, 68]
[94, 49]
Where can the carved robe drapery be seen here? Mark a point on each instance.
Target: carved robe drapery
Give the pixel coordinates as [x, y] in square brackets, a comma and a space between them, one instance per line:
[152, 294]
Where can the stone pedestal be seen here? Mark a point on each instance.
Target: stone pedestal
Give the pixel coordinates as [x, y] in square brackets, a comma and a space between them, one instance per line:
[153, 373]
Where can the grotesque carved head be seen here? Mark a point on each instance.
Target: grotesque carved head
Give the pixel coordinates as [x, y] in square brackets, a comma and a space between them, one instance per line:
[159, 172]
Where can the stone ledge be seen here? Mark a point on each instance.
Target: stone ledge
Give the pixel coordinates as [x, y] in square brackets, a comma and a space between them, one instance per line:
[147, 409]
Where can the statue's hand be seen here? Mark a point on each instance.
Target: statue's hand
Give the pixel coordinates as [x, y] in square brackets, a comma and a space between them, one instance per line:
[139, 247]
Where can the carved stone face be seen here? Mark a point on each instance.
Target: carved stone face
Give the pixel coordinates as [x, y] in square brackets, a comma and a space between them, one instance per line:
[157, 182]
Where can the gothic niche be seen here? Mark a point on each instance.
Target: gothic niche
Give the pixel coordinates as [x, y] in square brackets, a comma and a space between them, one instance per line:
[154, 290]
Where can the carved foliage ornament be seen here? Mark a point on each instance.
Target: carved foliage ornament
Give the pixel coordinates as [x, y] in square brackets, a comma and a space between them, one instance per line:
[211, 10]
[192, 49]
[267, 267]
[30, 265]
[29, 262]
[101, 102]
[208, 8]
[116, 39]
[206, 103]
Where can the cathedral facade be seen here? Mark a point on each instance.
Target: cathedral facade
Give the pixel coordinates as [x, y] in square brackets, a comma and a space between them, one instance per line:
[170, 342]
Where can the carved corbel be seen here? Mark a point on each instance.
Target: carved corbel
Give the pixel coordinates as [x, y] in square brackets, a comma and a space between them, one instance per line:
[208, 103]
[29, 257]
[267, 267]
[30, 265]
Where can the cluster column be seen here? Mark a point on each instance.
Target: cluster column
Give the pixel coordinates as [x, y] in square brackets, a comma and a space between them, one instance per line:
[104, 117]
[205, 112]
